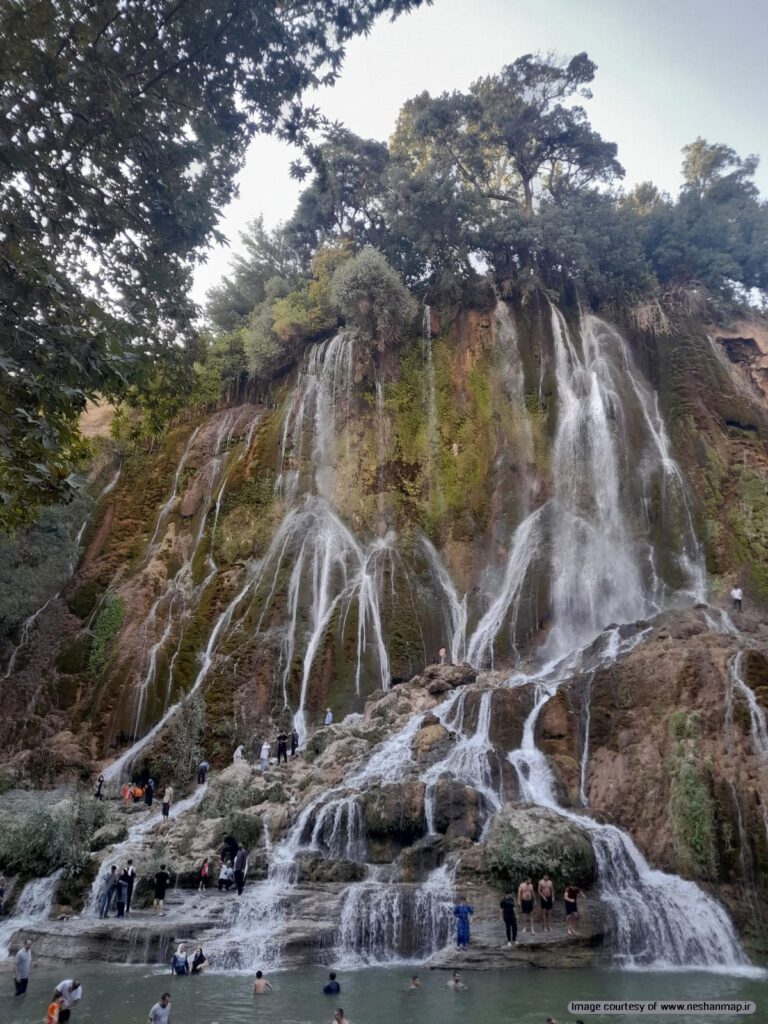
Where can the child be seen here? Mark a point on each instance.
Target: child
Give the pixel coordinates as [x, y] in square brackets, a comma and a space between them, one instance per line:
[54, 1008]
[203, 876]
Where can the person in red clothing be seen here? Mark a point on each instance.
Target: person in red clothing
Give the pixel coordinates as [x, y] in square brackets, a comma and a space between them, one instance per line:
[203, 876]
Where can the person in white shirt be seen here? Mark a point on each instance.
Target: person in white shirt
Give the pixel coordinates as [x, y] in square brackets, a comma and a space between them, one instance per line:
[328, 716]
[71, 991]
[21, 966]
[167, 800]
[737, 596]
[264, 756]
[161, 1011]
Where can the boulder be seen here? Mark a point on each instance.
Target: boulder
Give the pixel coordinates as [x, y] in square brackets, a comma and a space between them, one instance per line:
[527, 841]
[318, 869]
[108, 835]
[430, 744]
[458, 810]
[439, 679]
[416, 861]
[395, 812]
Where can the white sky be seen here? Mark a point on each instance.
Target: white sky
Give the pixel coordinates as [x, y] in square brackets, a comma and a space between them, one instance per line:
[668, 70]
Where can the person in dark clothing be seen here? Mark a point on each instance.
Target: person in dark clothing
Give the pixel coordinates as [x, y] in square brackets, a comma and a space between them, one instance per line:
[149, 792]
[202, 771]
[99, 786]
[282, 746]
[509, 917]
[229, 849]
[294, 742]
[199, 961]
[122, 893]
[107, 893]
[240, 868]
[162, 881]
[131, 873]
[332, 987]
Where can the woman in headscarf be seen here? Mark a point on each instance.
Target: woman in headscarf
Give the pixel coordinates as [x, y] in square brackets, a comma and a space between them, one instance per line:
[179, 962]
[199, 961]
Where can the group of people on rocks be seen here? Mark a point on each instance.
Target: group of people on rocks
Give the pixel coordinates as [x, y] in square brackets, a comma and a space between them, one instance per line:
[526, 900]
[116, 890]
[137, 792]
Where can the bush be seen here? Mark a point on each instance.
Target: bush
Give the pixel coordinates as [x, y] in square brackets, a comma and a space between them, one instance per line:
[371, 298]
[41, 841]
[181, 749]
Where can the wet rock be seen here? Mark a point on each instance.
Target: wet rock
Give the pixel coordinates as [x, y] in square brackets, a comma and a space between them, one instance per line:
[527, 841]
[458, 809]
[439, 679]
[395, 812]
[430, 744]
[320, 870]
[109, 834]
[416, 861]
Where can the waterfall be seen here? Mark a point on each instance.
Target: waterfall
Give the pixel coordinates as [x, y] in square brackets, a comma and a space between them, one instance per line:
[170, 611]
[453, 607]
[659, 920]
[384, 923]
[758, 727]
[34, 905]
[513, 382]
[339, 830]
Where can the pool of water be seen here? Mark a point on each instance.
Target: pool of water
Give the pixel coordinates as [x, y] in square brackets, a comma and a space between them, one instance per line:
[115, 995]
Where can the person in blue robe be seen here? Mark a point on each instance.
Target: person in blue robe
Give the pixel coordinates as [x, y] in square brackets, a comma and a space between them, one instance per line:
[462, 912]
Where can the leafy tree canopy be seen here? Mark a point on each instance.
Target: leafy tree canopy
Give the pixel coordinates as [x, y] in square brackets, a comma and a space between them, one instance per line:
[122, 125]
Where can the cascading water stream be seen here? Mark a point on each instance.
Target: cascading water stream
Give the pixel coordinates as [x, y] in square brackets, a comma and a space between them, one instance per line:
[659, 920]
[33, 906]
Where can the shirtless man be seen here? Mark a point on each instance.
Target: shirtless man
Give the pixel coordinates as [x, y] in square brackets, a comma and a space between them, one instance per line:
[456, 984]
[415, 982]
[546, 899]
[525, 896]
[339, 1018]
[261, 985]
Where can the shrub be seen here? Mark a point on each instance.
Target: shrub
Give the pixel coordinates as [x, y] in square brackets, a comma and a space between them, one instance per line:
[371, 297]
[43, 840]
[181, 749]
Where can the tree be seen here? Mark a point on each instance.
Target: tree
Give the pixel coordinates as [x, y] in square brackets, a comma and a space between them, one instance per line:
[514, 132]
[372, 299]
[122, 126]
[266, 255]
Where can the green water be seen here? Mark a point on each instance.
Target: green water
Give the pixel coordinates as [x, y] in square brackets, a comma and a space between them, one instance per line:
[115, 995]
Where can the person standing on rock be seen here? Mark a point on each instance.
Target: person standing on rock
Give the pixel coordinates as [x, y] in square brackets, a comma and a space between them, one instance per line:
[99, 786]
[71, 992]
[442, 657]
[21, 966]
[226, 876]
[202, 771]
[571, 896]
[162, 881]
[238, 754]
[149, 792]
[161, 1011]
[261, 985]
[107, 892]
[203, 876]
[241, 866]
[131, 873]
[167, 800]
[294, 741]
[266, 750]
[737, 596]
[122, 893]
[509, 917]
[462, 912]
[547, 900]
[328, 716]
[525, 898]
[282, 746]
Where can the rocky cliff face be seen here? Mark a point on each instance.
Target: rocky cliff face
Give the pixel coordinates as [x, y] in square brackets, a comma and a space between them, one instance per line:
[505, 487]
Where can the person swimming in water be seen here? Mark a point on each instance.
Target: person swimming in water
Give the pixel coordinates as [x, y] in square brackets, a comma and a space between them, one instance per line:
[456, 984]
[261, 985]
